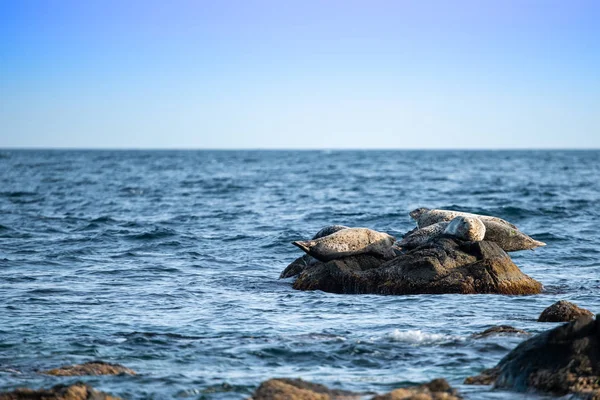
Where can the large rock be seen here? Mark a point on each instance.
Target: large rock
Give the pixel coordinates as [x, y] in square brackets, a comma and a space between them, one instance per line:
[297, 389]
[563, 311]
[90, 368]
[563, 360]
[78, 391]
[443, 265]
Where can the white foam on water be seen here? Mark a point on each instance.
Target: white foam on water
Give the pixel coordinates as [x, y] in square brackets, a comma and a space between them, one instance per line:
[419, 337]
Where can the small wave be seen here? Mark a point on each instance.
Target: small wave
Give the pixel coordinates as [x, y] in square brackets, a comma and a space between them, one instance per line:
[18, 194]
[103, 219]
[157, 233]
[419, 337]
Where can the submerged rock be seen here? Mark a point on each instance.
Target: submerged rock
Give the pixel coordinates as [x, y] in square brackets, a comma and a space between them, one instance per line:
[499, 330]
[90, 368]
[563, 360]
[297, 389]
[563, 311]
[443, 265]
[77, 391]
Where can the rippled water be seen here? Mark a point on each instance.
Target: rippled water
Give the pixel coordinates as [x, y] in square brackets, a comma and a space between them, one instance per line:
[167, 262]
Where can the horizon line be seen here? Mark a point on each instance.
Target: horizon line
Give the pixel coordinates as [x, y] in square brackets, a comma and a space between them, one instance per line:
[25, 148]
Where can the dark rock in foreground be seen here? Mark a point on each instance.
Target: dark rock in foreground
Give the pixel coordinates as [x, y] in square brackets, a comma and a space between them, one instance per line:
[563, 360]
[90, 368]
[563, 311]
[500, 330]
[443, 265]
[78, 391]
[297, 389]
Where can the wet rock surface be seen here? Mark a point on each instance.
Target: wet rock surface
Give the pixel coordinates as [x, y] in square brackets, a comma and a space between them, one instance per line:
[297, 389]
[563, 311]
[443, 265]
[563, 360]
[437, 389]
[90, 368]
[77, 391]
[500, 330]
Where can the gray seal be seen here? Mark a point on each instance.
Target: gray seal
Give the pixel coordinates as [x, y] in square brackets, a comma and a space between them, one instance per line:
[300, 264]
[328, 230]
[348, 242]
[470, 229]
[426, 217]
[421, 236]
[507, 238]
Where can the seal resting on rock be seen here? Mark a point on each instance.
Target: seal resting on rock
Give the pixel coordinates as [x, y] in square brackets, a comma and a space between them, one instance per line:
[469, 229]
[348, 242]
[328, 230]
[425, 217]
[299, 264]
[509, 239]
[418, 237]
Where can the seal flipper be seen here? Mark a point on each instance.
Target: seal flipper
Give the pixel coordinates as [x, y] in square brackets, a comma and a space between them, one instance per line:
[304, 246]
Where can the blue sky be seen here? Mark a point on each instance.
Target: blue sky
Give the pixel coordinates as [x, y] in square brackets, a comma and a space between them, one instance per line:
[300, 74]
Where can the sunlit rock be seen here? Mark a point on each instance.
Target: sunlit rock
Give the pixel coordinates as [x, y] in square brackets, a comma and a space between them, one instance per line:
[77, 391]
[563, 311]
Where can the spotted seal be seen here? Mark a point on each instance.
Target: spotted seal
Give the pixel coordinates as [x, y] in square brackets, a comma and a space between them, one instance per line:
[421, 236]
[470, 229]
[328, 230]
[298, 265]
[507, 238]
[426, 217]
[348, 242]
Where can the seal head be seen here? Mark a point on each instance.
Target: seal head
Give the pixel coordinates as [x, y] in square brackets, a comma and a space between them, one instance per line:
[470, 229]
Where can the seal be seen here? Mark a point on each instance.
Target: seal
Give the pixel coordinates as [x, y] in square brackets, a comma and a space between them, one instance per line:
[421, 236]
[348, 242]
[300, 264]
[328, 230]
[426, 217]
[507, 238]
[470, 229]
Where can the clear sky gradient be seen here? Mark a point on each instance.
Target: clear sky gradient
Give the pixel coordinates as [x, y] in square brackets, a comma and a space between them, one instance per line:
[300, 74]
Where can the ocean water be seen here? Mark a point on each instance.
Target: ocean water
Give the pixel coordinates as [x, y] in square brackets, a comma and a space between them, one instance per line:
[168, 261]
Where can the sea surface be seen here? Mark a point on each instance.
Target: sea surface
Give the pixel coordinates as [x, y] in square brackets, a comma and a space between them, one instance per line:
[168, 262]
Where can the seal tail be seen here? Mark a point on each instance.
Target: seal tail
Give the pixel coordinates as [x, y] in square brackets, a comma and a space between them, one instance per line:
[302, 245]
[537, 243]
